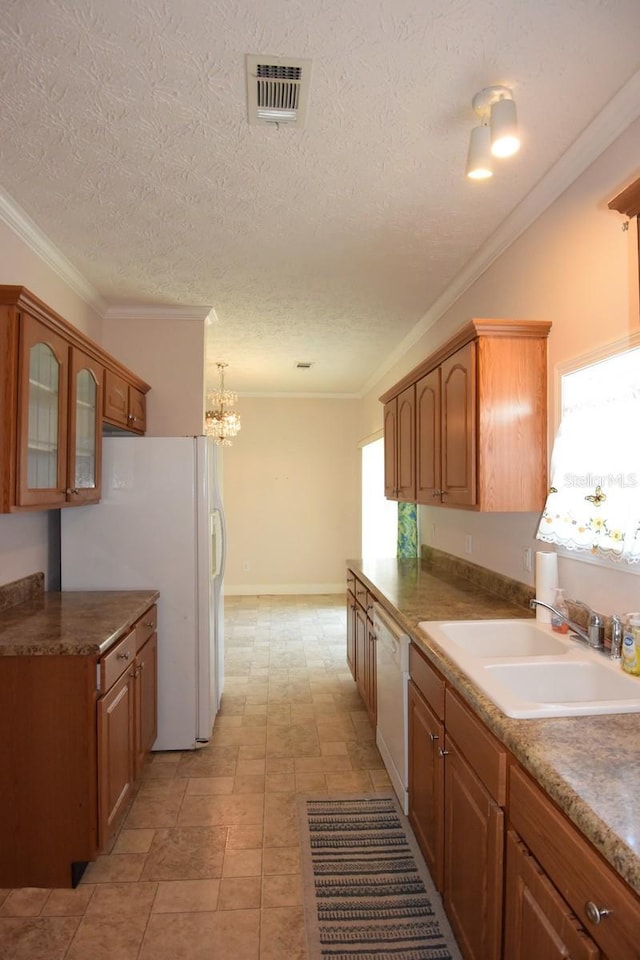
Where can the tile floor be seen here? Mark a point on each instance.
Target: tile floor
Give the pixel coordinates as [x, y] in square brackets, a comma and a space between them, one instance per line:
[207, 863]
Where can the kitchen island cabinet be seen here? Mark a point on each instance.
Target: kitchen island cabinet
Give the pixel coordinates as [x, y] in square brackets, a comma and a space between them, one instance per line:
[69, 685]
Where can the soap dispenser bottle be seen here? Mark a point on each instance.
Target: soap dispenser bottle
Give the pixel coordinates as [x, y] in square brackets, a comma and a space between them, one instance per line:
[560, 604]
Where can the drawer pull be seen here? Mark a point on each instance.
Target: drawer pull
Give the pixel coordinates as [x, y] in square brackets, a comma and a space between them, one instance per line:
[124, 656]
[148, 623]
[596, 914]
[443, 753]
[433, 737]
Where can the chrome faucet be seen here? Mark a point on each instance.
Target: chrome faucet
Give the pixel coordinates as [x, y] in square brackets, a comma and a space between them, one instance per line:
[578, 631]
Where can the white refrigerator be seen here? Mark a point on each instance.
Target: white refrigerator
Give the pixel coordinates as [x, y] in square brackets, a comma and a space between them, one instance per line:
[160, 524]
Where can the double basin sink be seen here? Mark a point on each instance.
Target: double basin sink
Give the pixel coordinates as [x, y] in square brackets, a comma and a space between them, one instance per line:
[529, 671]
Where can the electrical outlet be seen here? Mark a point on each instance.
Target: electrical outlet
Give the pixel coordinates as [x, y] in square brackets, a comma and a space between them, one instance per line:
[468, 544]
[246, 566]
[526, 559]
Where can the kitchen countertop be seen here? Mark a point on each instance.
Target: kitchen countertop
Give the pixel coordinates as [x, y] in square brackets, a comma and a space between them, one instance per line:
[72, 623]
[590, 766]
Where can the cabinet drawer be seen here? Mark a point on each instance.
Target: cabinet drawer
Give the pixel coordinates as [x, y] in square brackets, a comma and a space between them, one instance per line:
[487, 755]
[577, 871]
[145, 626]
[116, 661]
[427, 680]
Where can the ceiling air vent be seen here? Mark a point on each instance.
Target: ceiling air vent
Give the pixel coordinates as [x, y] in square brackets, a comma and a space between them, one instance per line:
[278, 89]
[304, 365]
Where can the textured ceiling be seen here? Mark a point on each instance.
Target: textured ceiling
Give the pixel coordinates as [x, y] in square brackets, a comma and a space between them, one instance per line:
[123, 135]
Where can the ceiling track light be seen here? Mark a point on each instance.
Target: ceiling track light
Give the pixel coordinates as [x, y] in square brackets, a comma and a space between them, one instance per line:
[497, 136]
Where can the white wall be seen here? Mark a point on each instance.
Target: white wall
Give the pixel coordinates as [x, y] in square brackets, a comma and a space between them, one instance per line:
[576, 267]
[291, 490]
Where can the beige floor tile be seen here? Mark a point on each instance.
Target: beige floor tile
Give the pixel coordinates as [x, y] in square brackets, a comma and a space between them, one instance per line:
[252, 752]
[245, 836]
[364, 756]
[242, 863]
[222, 935]
[358, 781]
[186, 853]
[251, 768]
[282, 891]
[248, 784]
[380, 780]
[331, 764]
[163, 789]
[280, 860]
[283, 934]
[280, 783]
[25, 902]
[152, 812]
[68, 903]
[186, 896]
[240, 808]
[121, 900]
[239, 893]
[115, 868]
[108, 938]
[209, 786]
[134, 841]
[280, 765]
[333, 748]
[310, 783]
[36, 938]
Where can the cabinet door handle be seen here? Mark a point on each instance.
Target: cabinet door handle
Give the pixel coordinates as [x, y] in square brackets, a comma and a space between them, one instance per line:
[141, 666]
[124, 656]
[433, 737]
[72, 490]
[436, 493]
[148, 623]
[594, 913]
[442, 753]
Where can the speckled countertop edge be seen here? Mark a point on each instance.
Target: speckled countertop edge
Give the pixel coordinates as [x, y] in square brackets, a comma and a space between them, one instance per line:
[71, 623]
[590, 766]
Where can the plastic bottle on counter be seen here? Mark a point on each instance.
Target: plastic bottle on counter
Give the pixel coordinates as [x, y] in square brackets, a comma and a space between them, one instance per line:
[560, 604]
[631, 644]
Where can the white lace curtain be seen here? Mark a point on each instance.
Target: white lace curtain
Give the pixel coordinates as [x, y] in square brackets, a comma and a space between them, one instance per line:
[594, 500]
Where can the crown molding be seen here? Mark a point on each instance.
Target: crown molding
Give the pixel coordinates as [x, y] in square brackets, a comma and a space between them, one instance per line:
[300, 396]
[161, 311]
[28, 231]
[621, 111]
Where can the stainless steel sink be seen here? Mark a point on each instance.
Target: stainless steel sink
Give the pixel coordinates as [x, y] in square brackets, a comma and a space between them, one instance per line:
[528, 671]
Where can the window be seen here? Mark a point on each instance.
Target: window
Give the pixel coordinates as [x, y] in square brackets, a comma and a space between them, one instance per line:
[379, 516]
[593, 505]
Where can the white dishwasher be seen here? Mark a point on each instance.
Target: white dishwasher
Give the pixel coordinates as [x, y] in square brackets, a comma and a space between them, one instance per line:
[392, 676]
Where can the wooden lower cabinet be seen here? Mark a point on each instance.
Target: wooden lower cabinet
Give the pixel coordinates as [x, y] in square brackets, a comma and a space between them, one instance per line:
[426, 782]
[538, 922]
[473, 859]
[361, 642]
[116, 753]
[75, 732]
[145, 701]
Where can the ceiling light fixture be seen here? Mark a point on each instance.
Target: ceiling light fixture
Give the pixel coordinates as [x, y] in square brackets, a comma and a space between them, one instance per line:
[219, 422]
[497, 136]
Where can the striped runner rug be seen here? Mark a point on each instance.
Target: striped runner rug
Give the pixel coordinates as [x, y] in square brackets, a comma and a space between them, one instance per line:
[368, 894]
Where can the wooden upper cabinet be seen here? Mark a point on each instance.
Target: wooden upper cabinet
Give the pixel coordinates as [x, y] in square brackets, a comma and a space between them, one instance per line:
[480, 419]
[400, 447]
[52, 381]
[42, 415]
[391, 449]
[124, 404]
[86, 381]
[428, 437]
[458, 406]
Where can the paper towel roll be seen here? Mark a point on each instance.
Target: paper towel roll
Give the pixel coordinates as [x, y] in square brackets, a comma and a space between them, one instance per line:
[546, 582]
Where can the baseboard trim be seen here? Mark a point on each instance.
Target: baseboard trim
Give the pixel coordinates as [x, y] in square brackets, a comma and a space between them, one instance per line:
[282, 589]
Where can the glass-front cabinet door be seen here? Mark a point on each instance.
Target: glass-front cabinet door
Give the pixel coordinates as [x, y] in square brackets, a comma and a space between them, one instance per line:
[85, 408]
[42, 440]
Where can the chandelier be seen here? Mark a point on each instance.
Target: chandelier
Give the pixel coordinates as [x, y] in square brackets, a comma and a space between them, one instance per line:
[219, 422]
